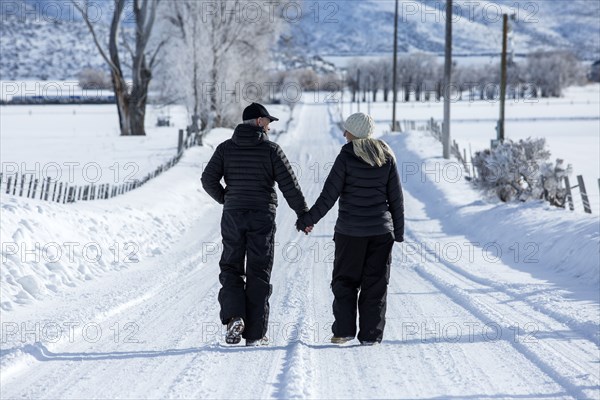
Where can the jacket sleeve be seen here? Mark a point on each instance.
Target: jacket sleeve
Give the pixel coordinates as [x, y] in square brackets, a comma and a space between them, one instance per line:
[329, 195]
[396, 202]
[211, 177]
[287, 182]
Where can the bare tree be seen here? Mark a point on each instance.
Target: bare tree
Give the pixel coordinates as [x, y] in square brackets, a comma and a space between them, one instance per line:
[131, 99]
[424, 69]
[406, 75]
[551, 72]
[373, 78]
[352, 77]
[385, 66]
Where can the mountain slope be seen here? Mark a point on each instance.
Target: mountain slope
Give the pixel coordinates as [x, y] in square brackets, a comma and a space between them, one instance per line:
[38, 44]
[359, 27]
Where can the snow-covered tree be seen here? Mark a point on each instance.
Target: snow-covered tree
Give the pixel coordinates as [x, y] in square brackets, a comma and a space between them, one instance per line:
[416, 71]
[220, 56]
[551, 71]
[131, 98]
[90, 78]
[386, 68]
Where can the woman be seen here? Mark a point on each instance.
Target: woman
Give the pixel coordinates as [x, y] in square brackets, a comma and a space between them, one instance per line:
[371, 217]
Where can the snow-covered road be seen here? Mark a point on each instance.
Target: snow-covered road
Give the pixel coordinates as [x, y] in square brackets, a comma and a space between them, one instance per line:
[153, 331]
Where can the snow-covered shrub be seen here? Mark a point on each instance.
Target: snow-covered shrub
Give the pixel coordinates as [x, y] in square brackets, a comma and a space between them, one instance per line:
[90, 78]
[554, 182]
[521, 171]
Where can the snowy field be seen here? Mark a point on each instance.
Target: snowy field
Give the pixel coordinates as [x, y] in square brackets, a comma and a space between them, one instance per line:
[571, 126]
[486, 300]
[81, 143]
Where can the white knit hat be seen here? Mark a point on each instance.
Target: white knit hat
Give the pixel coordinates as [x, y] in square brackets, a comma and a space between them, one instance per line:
[360, 125]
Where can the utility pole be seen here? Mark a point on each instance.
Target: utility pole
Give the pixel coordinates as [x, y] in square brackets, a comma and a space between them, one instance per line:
[368, 95]
[358, 88]
[342, 97]
[500, 133]
[447, 81]
[394, 73]
[342, 105]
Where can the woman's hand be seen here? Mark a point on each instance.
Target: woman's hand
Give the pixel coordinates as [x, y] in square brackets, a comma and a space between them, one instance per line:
[301, 226]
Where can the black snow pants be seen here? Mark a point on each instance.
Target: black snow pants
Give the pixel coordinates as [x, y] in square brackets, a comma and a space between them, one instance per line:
[361, 264]
[248, 238]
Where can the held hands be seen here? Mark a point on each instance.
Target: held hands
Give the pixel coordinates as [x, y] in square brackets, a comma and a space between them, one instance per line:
[301, 226]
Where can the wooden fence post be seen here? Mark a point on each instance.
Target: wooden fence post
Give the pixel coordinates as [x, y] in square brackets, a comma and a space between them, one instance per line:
[47, 192]
[43, 182]
[15, 185]
[42, 189]
[35, 183]
[60, 186]
[54, 191]
[584, 196]
[23, 177]
[180, 142]
[569, 194]
[8, 185]
[71, 196]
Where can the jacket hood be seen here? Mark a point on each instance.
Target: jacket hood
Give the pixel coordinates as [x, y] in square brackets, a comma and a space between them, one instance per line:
[248, 135]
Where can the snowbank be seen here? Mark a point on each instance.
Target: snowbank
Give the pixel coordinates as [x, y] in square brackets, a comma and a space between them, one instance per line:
[47, 247]
[80, 144]
[532, 237]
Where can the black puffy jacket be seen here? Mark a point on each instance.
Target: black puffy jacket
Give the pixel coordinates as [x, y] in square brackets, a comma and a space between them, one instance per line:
[371, 201]
[251, 164]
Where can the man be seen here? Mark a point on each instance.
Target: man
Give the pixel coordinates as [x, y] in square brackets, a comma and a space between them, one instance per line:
[250, 164]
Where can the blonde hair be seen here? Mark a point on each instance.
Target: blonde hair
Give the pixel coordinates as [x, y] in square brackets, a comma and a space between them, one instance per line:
[373, 151]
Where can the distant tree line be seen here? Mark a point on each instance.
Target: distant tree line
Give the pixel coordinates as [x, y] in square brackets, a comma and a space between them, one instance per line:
[541, 74]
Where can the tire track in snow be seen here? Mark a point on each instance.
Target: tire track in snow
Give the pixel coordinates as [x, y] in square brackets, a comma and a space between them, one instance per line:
[295, 378]
[178, 281]
[491, 316]
[584, 330]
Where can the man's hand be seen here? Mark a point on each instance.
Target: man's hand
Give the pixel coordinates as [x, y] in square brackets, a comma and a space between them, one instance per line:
[302, 227]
